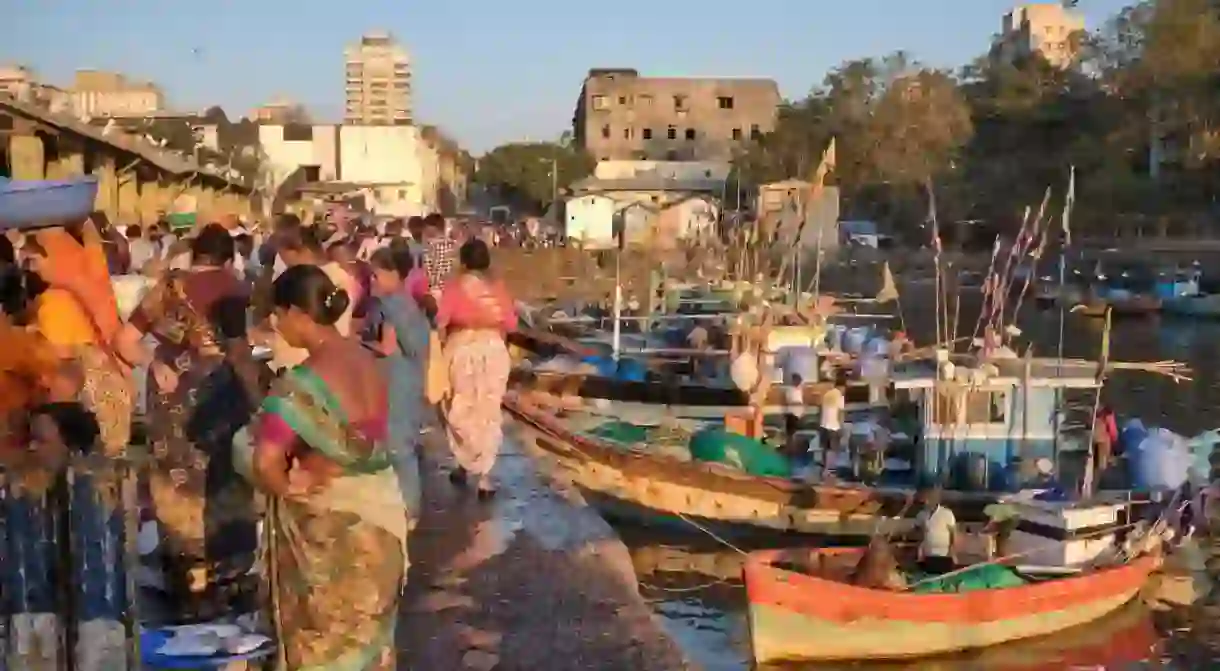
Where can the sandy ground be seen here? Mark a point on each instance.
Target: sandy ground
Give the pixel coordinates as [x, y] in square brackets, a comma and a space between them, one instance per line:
[531, 581]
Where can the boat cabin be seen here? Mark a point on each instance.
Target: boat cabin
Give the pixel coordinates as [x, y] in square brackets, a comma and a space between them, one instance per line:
[979, 420]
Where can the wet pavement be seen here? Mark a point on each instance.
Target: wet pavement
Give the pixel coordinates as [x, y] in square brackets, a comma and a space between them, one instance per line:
[530, 581]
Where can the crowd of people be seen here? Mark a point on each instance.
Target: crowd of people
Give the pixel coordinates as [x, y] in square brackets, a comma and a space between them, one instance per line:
[288, 377]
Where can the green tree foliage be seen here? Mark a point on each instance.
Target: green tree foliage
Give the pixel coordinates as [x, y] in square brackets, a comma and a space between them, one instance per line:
[237, 143]
[897, 124]
[520, 172]
[993, 136]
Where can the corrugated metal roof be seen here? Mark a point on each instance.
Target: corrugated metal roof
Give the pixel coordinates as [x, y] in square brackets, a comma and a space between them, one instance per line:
[647, 183]
[167, 161]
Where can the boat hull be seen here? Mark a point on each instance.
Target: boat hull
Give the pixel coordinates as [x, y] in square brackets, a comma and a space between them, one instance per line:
[1193, 306]
[797, 617]
[657, 489]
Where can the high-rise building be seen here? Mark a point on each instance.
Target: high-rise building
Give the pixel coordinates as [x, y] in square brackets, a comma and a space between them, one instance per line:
[97, 93]
[1046, 28]
[621, 115]
[378, 84]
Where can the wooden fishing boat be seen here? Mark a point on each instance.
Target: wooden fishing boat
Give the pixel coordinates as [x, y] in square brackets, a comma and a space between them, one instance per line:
[795, 616]
[660, 488]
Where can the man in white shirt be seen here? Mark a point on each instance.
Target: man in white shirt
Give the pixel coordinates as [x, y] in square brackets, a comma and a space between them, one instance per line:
[938, 527]
[139, 248]
[830, 425]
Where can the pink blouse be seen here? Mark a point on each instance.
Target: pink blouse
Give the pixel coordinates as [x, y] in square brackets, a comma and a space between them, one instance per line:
[472, 302]
[275, 430]
[417, 284]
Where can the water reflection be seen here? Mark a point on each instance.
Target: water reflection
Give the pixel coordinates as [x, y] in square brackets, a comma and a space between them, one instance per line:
[702, 604]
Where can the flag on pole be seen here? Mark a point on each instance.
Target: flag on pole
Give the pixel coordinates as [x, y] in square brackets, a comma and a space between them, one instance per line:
[932, 219]
[1068, 204]
[889, 289]
[825, 167]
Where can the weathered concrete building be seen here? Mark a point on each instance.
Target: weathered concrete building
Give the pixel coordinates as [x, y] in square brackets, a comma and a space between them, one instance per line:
[137, 183]
[100, 93]
[22, 83]
[1046, 28]
[621, 115]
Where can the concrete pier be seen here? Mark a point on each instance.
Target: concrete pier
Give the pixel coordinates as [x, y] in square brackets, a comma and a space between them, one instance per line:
[533, 580]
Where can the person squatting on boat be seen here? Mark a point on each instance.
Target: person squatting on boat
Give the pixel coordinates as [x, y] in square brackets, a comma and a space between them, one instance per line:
[474, 316]
[336, 523]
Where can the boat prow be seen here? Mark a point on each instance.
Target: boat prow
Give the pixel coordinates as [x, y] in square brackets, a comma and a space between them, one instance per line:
[795, 616]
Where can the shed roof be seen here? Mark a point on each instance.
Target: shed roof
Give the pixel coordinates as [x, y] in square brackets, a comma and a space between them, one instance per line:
[169, 162]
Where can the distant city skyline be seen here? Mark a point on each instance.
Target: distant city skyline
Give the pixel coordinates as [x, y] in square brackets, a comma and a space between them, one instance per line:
[485, 72]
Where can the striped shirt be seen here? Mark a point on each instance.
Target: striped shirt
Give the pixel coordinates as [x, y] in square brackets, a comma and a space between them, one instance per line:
[440, 260]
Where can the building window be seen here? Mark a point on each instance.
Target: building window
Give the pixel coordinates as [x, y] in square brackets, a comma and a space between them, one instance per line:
[647, 134]
[680, 103]
[622, 100]
[627, 133]
[736, 133]
[672, 133]
[755, 133]
[690, 133]
[606, 132]
[294, 132]
[725, 102]
[646, 100]
[600, 103]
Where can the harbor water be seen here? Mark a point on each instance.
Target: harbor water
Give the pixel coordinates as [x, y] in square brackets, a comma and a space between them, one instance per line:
[697, 592]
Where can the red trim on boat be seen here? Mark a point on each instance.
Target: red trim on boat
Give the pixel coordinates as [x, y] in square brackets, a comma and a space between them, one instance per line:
[822, 599]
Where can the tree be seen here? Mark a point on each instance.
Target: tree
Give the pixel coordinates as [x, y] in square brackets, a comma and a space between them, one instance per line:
[896, 125]
[522, 171]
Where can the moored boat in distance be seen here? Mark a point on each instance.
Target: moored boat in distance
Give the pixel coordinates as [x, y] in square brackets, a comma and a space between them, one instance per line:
[796, 615]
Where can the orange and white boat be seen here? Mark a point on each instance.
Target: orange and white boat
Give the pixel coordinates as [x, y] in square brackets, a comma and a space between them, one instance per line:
[794, 616]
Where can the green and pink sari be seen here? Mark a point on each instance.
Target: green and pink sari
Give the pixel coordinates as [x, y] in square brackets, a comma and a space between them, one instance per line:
[336, 560]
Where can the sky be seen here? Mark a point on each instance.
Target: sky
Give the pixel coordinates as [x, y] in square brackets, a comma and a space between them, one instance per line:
[485, 71]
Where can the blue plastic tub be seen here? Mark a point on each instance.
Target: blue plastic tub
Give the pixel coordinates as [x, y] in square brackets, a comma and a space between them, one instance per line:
[35, 203]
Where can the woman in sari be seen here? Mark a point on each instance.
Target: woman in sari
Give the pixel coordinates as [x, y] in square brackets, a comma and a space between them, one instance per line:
[398, 330]
[41, 423]
[336, 528]
[72, 260]
[474, 315]
[203, 387]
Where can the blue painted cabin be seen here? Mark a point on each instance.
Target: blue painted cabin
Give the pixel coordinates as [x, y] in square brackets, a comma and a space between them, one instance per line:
[977, 419]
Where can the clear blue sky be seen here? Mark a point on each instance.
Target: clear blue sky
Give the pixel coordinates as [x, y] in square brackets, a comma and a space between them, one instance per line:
[487, 71]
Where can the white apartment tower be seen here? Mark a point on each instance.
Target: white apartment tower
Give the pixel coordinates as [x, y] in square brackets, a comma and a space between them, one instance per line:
[378, 82]
[1044, 28]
